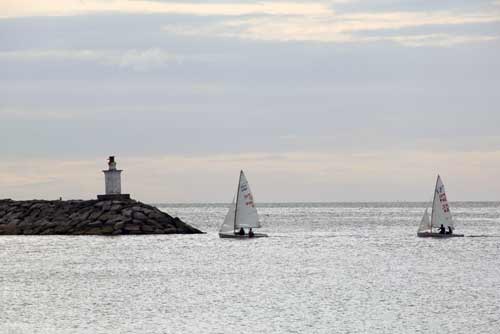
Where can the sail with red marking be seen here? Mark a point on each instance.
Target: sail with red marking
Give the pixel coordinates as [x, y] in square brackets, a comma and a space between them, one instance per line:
[246, 213]
[441, 214]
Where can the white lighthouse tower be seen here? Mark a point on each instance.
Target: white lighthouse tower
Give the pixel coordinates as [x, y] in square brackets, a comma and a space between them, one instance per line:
[112, 178]
[113, 183]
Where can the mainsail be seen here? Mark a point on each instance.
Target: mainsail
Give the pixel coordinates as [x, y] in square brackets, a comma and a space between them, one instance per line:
[440, 209]
[425, 223]
[246, 213]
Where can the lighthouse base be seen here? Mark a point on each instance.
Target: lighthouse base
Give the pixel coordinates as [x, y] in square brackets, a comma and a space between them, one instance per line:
[114, 197]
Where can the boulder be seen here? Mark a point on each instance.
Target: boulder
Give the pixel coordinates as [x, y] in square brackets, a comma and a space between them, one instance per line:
[132, 227]
[147, 228]
[139, 216]
[119, 225]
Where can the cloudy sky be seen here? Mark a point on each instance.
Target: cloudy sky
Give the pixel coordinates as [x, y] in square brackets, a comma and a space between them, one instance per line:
[348, 100]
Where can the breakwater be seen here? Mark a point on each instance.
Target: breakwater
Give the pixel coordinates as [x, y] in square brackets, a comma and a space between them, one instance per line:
[87, 217]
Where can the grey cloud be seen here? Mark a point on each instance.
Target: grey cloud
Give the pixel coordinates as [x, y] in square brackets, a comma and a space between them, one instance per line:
[410, 5]
[139, 60]
[233, 95]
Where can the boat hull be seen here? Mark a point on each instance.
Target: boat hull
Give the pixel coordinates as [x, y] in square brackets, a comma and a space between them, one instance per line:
[237, 236]
[438, 235]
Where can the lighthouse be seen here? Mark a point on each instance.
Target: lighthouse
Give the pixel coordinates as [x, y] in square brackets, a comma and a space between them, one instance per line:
[113, 183]
[112, 178]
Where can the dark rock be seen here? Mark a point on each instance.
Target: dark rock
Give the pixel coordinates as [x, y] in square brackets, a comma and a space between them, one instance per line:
[127, 212]
[78, 217]
[107, 230]
[47, 231]
[184, 228]
[94, 215]
[8, 229]
[132, 227]
[119, 225]
[169, 230]
[106, 216]
[147, 228]
[58, 229]
[154, 223]
[117, 218]
[155, 215]
[94, 231]
[139, 215]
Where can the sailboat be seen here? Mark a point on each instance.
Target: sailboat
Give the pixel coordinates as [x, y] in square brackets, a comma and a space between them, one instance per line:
[241, 214]
[440, 215]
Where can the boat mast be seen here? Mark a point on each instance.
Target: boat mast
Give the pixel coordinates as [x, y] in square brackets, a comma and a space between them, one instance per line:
[237, 198]
[433, 200]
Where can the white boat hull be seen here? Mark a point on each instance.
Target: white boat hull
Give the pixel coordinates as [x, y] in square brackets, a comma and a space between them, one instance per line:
[246, 236]
[438, 235]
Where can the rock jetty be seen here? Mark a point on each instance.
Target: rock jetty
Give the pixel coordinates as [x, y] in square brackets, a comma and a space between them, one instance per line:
[87, 217]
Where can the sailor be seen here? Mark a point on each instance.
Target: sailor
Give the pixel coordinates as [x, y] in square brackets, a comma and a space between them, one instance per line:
[450, 230]
[242, 231]
[250, 233]
[442, 230]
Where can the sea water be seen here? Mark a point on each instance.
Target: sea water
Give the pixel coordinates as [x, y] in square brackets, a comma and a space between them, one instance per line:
[326, 268]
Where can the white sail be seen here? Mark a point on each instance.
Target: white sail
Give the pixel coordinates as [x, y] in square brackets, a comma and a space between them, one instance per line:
[440, 209]
[228, 225]
[246, 213]
[425, 223]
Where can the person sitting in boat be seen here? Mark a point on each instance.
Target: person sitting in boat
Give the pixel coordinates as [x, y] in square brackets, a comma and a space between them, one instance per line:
[442, 230]
[241, 231]
[250, 233]
[450, 230]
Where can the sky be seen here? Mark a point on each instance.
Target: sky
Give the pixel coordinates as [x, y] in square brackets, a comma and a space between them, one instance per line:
[341, 100]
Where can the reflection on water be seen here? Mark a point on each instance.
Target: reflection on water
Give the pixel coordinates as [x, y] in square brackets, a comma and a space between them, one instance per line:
[343, 268]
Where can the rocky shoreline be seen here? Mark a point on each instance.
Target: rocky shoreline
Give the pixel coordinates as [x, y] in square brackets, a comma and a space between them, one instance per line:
[87, 217]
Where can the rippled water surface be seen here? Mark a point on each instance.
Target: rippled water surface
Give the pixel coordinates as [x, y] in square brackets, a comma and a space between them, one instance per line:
[326, 268]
